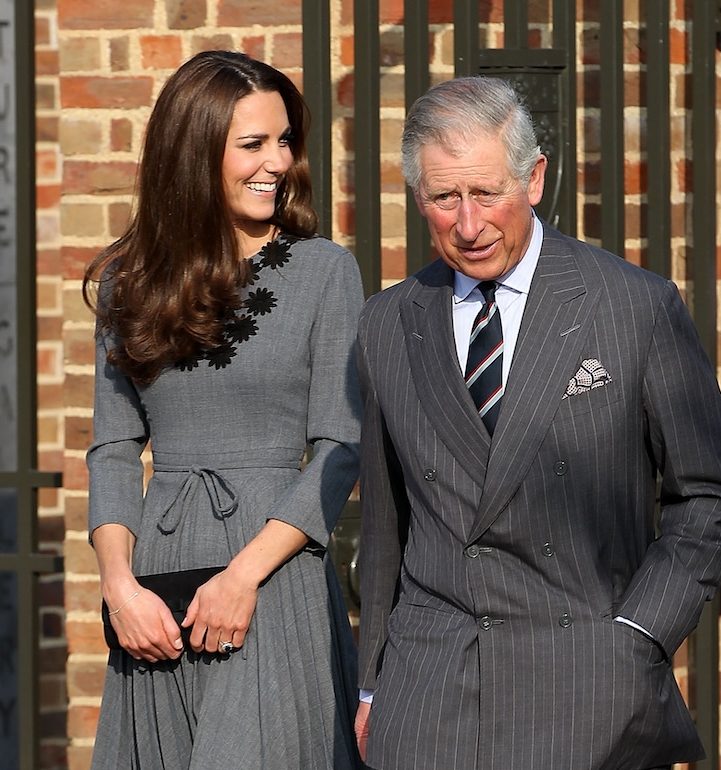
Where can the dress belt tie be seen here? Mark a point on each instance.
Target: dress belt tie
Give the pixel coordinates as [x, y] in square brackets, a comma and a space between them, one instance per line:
[222, 494]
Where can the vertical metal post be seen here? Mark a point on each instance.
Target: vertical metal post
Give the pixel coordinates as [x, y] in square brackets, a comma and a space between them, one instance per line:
[658, 133]
[705, 640]
[515, 24]
[612, 145]
[317, 90]
[564, 39]
[367, 143]
[415, 48]
[465, 37]
[28, 648]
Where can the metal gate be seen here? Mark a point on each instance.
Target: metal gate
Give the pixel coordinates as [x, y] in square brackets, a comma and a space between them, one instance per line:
[548, 77]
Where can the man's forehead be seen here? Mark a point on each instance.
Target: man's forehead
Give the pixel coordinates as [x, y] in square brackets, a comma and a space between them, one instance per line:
[483, 161]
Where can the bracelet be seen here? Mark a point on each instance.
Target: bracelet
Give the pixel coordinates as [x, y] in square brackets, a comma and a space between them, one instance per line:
[127, 601]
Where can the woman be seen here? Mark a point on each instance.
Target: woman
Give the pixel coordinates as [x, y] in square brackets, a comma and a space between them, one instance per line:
[225, 329]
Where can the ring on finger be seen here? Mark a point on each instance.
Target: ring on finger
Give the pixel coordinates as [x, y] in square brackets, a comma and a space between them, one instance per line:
[225, 647]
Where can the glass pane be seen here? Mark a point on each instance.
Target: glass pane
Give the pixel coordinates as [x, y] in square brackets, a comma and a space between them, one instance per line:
[9, 748]
[8, 242]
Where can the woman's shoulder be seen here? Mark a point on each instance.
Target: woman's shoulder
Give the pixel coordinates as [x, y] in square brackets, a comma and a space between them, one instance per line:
[318, 246]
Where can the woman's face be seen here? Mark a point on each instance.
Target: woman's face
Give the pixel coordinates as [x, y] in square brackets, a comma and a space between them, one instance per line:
[257, 156]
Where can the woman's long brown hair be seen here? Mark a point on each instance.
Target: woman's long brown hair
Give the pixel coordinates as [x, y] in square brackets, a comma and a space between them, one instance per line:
[168, 284]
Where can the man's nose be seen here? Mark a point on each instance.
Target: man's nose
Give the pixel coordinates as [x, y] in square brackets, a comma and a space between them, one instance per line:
[470, 221]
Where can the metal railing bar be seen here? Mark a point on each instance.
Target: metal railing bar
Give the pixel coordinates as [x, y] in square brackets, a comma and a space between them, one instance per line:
[705, 641]
[612, 141]
[465, 37]
[658, 138]
[367, 143]
[415, 48]
[515, 24]
[317, 89]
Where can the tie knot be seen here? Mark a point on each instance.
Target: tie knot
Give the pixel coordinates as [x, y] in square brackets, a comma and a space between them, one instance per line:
[488, 289]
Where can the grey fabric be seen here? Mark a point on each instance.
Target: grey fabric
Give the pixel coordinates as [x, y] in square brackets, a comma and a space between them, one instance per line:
[491, 571]
[227, 448]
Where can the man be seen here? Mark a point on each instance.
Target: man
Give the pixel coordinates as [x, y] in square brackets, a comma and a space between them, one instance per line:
[519, 608]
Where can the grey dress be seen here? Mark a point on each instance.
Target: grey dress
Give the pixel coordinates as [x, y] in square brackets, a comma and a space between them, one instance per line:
[228, 435]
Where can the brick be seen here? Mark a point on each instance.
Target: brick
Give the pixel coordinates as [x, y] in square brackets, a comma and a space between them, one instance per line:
[49, 328]
[393, 220]
[121, 135]
[80, 54]
[393, 262]
[53, 694]
[85, 677]
[75, 474]
[391, 51]
[116, 92]
[52, 755]
[90, 178]
[47, 164]
[48, 293]
[79, 347]
[635, 177]
[345, 90]
[347, 50]
[83, 595]
[118, 218]
[48, 429]
[82, 219]
[119, 54]
[79, 391]
[392, 180]
[48, 226]
[48, 498]
[678, 46]
[245, 13]
[345, 214]
[79, 757]
[75, 259]
[47, 196]
[253, 46]
[186, 14]
[51, 528]
[46, 62]
[50, 395]
[392, 90]
[211, 43]
[105, 14]
[42, 30]
[85, 636]
[80, 137]
[51, 624]
[45, 96]
[78, 432]
[76, 513]
[82, 721]
[161, 51]
[47, 128]
[287, 50]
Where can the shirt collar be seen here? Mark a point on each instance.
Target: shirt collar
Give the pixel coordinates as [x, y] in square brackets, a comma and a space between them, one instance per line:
[518, 278]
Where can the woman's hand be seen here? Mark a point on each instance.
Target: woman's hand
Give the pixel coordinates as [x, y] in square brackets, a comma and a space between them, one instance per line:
[145, 626]
[222, 610]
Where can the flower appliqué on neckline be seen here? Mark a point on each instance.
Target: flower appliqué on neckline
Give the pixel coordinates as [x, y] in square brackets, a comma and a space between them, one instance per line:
[242, 324]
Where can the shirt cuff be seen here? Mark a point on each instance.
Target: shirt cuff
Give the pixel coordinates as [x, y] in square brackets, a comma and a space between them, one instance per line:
[626, 621]
[366, 696]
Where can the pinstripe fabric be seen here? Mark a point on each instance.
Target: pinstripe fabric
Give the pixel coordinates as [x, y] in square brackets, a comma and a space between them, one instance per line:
[491, 575]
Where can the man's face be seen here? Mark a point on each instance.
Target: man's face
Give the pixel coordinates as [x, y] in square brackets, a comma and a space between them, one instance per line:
[478, 215]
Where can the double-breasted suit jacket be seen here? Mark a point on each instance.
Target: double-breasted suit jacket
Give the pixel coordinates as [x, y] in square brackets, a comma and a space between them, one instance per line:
[492, 571]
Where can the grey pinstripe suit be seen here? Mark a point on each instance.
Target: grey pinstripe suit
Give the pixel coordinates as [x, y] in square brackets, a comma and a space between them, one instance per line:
[491, 573]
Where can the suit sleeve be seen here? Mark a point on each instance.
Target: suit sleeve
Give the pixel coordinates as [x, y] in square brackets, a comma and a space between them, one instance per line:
[384, 522]
[120, 433]
[315, 502]
[682, 567]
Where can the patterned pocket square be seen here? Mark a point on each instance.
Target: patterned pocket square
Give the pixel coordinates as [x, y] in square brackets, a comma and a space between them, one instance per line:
[592, 374]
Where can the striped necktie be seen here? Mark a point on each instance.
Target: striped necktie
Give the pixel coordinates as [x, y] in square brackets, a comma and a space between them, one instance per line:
[484, 368]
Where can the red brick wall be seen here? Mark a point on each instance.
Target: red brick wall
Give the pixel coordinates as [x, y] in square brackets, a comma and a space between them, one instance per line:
[99, 67]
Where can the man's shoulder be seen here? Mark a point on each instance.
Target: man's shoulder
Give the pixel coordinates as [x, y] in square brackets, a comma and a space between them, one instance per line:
[433, 275]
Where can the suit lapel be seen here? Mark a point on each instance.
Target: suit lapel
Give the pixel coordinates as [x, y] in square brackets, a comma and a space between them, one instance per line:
[558, 315]
[428, 327]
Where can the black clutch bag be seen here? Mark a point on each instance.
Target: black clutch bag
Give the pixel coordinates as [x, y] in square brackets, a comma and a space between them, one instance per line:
[176, 589]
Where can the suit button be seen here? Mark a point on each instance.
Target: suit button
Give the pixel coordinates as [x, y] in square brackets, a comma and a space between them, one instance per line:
[560, 467]
[548, 549]
[429, 474]
[472, 551]
[486, 623]
[565, 620]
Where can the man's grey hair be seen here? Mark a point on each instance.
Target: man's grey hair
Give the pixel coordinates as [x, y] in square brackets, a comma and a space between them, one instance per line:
[456, 113]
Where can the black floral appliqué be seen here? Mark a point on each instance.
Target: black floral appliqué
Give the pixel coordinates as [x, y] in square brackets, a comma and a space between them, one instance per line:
[261, 301]
[241, 329]
[240, 326]
[275, 253]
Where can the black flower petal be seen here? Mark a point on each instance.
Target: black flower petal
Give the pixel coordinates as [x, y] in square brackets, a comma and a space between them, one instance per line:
[275, 253]
[221, 356]
[261, 301]
[241, 329]
[188, 364]
[255, 269]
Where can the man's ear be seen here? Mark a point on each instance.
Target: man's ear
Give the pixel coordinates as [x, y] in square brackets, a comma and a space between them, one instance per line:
[537, 181]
